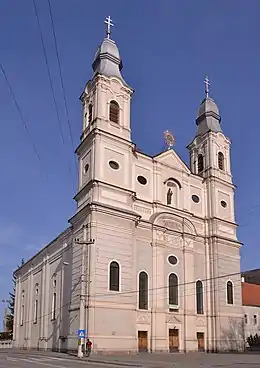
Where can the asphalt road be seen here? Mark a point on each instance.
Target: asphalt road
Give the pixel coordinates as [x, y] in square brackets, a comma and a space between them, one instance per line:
[19, 359]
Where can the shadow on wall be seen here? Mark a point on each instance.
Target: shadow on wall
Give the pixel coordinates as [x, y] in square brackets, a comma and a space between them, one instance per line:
[233, 337]
[60, 327]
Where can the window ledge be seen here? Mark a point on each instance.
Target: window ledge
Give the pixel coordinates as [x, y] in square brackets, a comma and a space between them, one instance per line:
[113, 291]
[174, 306]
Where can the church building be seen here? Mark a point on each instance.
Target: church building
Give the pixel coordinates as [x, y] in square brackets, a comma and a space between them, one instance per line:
[151, 260]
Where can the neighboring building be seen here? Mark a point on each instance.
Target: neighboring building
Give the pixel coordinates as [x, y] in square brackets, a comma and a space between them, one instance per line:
[251, 301]
[164, 271]
[252, 276]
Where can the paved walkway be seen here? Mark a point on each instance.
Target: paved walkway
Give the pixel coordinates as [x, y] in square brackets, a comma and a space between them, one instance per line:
[24, 359]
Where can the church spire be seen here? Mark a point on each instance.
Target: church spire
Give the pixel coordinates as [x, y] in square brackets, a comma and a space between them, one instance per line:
[208, 117]
[107, 59]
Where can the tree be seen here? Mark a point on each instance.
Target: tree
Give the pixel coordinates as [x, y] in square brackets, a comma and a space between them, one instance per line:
[10, 316]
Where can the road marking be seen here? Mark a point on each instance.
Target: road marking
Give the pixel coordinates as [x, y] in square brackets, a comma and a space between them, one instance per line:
[38, 362]
[40, 358]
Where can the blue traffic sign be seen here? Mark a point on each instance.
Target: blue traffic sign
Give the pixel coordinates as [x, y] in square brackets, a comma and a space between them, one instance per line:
[81, 334]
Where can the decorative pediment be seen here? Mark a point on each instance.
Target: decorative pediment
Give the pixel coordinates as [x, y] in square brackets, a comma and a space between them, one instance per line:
[173, 319]
[200, 322]
[171, 159]
[143, 319]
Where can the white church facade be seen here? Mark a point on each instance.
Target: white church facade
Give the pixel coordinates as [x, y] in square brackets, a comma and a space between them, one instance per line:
[151, 260]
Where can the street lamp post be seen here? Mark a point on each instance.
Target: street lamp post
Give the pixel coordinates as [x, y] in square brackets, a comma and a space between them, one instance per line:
[82, 293]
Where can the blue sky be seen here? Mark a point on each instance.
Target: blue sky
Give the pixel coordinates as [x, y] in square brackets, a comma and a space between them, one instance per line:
[167, 48]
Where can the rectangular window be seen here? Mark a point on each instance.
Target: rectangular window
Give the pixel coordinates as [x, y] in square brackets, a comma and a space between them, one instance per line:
[246, 319]
[35, 311]
[53, 310]
[255, 319]
[22, 315]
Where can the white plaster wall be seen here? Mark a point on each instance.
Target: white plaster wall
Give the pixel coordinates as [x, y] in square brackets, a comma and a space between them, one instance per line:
[251, 328]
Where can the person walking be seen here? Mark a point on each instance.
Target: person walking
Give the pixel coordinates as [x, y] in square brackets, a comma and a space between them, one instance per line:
[88, 347]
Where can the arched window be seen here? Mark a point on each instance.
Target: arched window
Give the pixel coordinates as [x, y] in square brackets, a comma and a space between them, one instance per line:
[143, 290]
[173, 290]
[200, 163]
[90, 113]
[54, 306]
[220, 161]
[199, 297]
[22, 310]
[230, 297]
[114, 112]
[114, 276]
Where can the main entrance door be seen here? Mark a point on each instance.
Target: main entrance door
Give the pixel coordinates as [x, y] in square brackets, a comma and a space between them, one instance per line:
[142, 341]
[200, 338]
[173, 340]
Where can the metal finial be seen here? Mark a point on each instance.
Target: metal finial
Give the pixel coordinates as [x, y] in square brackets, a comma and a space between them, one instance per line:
[207, 84]
[109, 24]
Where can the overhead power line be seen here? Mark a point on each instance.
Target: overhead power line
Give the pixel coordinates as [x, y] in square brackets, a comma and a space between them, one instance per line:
[20, 113]
[51, 84]
[136, 291]
[61, 77]
[48, 71]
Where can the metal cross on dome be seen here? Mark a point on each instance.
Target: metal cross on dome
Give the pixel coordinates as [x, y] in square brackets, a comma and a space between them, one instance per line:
[207, 84]
[109, 24]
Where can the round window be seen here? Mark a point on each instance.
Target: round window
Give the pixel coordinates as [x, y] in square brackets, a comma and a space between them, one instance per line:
[114, 165]
[86, 168]
[223, 204]
[141, 179]
[172, 260]
[195, 198]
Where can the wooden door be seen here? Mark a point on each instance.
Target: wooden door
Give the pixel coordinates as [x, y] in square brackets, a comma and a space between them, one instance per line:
[142, 341]
[173, 340]
[200, 338]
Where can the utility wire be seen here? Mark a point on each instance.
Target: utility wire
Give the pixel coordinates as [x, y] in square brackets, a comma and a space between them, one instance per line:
[48, 71]
[51, 83]
[135, 291]
[20, 113]
[61, 77]
[180, 284]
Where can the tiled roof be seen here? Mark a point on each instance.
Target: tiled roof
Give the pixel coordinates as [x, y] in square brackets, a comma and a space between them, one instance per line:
[250, 294]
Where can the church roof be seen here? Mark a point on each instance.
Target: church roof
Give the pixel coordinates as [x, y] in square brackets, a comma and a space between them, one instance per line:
[107, 60]
[208, 105]
[208, 118]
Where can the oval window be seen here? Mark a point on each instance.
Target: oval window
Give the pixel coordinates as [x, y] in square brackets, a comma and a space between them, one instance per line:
[86, 167]
[141, 179]
[223, 204]
[172, 260]
[195, 198]
[114, 165]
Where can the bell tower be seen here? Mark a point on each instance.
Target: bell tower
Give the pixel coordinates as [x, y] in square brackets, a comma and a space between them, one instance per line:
[106, 103]
[210, 149]
[210, 158]
[106, 98]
